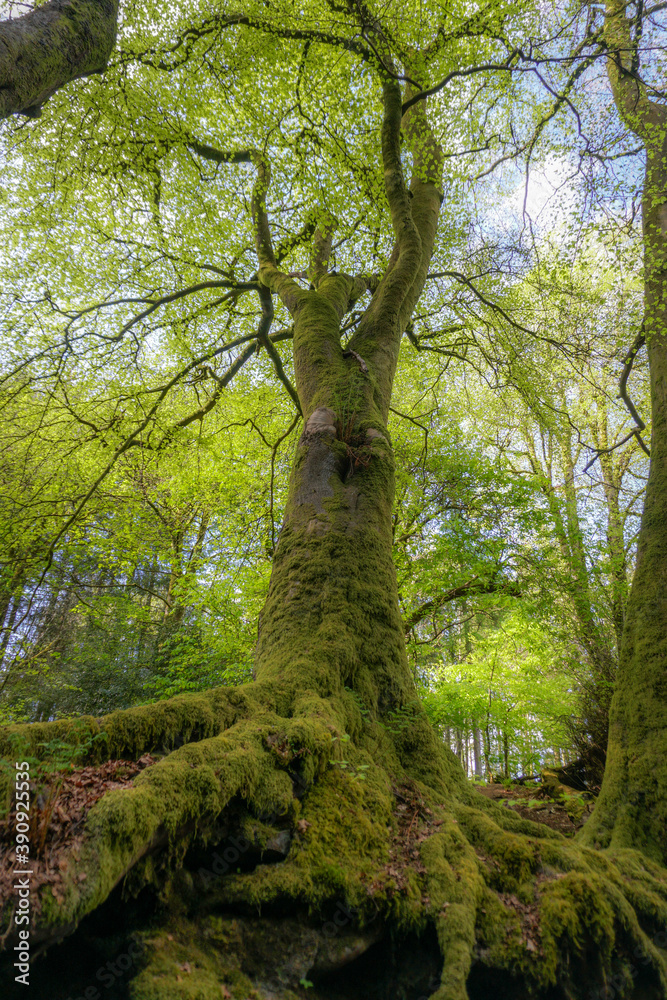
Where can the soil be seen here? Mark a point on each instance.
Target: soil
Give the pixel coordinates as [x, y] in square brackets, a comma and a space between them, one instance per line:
[566, 811]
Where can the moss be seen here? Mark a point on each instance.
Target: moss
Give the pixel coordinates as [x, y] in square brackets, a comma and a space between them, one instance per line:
[514, 857]
[171, 799]
[341, 843]
[631, 810]
[316, 746]
[333, 593]
[130, 732]
[454, 888]
[488, 882]
[180, 966]
[581, 924]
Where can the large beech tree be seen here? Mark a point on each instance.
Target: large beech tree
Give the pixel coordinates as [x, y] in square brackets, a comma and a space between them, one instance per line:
[306, 834]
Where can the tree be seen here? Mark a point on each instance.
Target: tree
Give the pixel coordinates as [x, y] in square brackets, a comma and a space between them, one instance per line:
[322, 783]
[632, 807]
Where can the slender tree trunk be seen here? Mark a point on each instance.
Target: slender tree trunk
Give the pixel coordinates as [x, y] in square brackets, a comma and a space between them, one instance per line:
[487, 751]
[477, 752]
[612, 476]
[599, 654]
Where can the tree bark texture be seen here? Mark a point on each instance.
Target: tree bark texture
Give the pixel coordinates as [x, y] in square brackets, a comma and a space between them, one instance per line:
[47, 48]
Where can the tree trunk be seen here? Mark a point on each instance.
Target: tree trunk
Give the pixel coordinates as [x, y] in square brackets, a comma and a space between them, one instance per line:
[477, 752]
[612, 478]
[333, 595]
[632, 806]
[77, 37]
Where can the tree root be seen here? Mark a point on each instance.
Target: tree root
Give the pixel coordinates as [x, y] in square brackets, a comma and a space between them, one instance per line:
[283, 848]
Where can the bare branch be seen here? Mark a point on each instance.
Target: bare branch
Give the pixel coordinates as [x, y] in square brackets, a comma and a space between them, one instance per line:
[263, 339]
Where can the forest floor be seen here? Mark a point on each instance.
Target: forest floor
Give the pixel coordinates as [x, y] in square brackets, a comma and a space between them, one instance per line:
[562, 808]
[59, 805]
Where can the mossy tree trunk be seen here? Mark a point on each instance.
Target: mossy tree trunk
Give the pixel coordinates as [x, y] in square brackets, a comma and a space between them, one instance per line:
[632, 808]
[58, 42]
[333, 595]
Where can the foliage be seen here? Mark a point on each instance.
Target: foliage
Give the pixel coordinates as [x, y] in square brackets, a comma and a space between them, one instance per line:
[513, 690]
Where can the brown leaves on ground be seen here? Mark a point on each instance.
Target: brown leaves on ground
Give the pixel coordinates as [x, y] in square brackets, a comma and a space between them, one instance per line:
[57, 813]
[414, 824]
[529, 919]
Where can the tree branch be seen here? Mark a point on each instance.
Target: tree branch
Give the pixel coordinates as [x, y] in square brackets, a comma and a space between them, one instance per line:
[474, 586]
[263, 339]
[636, 110]
[639, 342]
[52, 45]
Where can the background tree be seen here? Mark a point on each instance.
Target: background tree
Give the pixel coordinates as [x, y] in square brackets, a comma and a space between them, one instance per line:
[635, 778]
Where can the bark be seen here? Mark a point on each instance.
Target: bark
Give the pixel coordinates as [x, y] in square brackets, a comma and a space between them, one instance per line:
[612, 478]
[477, 752]
[598, 685]
[632, 807]
[54, 44]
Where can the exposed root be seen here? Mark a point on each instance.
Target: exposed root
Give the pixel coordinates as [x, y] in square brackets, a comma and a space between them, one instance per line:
[253, 841]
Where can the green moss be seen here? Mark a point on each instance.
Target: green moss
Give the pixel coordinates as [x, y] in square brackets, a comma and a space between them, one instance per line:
[341, 843]
[174, 797]
[181, 963]
[130, 732]
[454, 886]
[489, 882]
[514, 858]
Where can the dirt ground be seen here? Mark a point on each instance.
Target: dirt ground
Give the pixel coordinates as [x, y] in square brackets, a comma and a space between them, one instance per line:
[548, 802]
